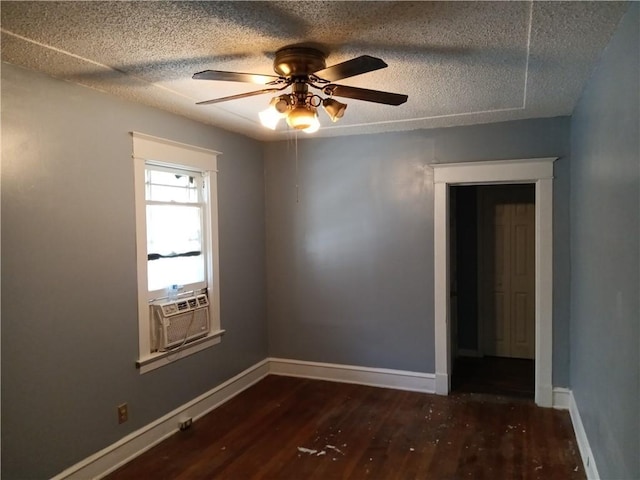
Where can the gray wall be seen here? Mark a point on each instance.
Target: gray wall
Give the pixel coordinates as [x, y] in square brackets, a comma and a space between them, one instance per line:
[350, 254]
[605, 255]
[69, 314]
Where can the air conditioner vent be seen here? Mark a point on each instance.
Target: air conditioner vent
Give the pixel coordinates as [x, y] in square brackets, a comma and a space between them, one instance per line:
[178, 322]
[203, 301]
[183, 305]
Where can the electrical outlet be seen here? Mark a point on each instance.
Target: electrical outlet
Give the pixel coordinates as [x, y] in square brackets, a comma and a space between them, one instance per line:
[186, 423]
[123, 413]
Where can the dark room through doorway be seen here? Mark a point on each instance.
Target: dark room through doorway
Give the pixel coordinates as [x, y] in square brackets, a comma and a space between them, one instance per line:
[492, 265]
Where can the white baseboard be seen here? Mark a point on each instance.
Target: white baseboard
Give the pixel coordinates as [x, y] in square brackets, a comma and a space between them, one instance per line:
[116, 455]
[583, 442]
[442, 383]
[377, 377]
[561, 398]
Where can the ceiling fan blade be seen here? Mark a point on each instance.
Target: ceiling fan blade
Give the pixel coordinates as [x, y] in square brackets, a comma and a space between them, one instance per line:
[350, 68]
[240, 95]
[237, 77]
[367, 95]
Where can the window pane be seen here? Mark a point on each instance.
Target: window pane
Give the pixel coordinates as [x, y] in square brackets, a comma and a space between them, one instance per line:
[171, 186]
[174, 245]
[164, 272]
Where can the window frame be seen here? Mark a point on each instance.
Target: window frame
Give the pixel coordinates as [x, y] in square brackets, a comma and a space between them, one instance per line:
[148, 149]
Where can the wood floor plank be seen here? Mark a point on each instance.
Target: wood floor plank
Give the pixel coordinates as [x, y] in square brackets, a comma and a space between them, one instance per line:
[290, 428]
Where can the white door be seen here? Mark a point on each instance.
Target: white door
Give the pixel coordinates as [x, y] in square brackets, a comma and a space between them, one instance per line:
[507, 270]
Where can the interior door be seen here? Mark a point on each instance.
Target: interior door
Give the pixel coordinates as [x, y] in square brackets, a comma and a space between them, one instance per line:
[507, 270]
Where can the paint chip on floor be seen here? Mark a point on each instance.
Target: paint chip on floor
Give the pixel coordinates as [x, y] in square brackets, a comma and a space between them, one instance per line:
[318, 453]
[336, 449]
[310, 451]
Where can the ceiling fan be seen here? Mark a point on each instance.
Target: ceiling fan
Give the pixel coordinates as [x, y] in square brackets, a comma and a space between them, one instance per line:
[302, 67]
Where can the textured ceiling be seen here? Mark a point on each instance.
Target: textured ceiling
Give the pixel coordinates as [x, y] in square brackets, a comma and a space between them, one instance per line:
[459, 62]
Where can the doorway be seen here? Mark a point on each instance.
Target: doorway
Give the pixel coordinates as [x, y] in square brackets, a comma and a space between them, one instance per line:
[538, 171]
[492, 266]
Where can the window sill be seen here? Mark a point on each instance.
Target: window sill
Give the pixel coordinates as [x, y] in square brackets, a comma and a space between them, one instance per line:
[160, 359]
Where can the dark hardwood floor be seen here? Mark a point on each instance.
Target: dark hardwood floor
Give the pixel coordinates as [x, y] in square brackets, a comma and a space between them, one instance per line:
[292, 428]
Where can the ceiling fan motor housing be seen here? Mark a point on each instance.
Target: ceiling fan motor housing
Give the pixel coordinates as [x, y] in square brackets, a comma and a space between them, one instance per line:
[298, 61]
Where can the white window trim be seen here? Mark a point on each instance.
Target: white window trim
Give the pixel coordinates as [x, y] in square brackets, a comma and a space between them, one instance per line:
[538, 171]
[147, 148]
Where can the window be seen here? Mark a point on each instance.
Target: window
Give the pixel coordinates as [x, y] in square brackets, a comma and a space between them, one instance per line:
[176, 259]
[177, 253]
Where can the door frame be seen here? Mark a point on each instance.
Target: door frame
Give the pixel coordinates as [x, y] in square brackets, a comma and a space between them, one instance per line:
[538, 171]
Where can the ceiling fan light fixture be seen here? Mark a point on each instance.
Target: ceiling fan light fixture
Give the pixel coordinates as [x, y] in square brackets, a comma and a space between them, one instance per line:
[277, 109]
[282, 104]
[334, 109]
[269, 117]
[315, 125]
[302, 117]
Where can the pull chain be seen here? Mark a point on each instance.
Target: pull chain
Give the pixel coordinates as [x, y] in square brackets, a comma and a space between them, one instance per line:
[297, 176]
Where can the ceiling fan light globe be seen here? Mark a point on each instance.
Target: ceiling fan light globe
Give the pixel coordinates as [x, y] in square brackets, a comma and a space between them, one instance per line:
[314, 127]
[270, 117]
[301, 117]
[334, 109]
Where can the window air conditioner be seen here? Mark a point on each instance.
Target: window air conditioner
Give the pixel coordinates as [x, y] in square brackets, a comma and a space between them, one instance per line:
[178, 322]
